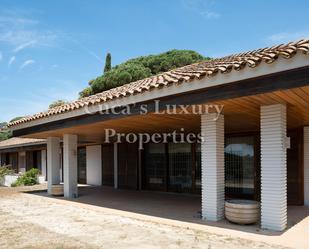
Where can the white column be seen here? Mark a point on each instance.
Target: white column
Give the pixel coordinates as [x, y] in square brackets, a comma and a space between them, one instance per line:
[70, 166]
[306, 166]
[212, 150]
[53, 161]
[44, 163]
[273, 167]
[94, 165]
[115, 165]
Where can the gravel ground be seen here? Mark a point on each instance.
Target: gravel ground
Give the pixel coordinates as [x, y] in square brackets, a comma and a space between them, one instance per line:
[29, 221]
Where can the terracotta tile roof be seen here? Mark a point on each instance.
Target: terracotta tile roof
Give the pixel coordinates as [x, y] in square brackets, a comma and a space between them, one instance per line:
[18, 141]
[183, 74]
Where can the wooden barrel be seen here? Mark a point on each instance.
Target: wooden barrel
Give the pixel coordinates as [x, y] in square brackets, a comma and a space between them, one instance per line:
[57, 190]
[242, 211]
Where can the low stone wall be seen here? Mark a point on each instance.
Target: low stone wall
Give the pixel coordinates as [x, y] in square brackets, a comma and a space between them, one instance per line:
[8, 180]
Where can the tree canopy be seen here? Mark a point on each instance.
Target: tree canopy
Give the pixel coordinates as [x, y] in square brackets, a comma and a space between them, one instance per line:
[56, 103]
[3, 124]
[108, 63]
[4, 131]
[15, 119]
[140, 68]
[4, 135]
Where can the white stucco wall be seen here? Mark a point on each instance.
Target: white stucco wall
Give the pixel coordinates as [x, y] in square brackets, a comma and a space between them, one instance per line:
[94, 165]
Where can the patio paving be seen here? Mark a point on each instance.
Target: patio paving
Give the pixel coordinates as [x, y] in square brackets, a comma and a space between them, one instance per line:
[184, 211]
[31, 220]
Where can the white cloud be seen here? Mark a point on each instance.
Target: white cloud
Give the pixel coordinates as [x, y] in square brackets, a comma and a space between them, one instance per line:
[210, 14]
[11, 61]
[24, 45]
[19, 37]
[14, 18]
[287, 36]
[26, 63]
[21, 32]
[202, 7]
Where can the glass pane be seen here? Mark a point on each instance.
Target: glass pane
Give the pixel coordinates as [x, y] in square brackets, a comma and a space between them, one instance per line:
[108, 164]
[155, 166]
[198, 175]
[239, 165]
[81, 165]
[180, 167]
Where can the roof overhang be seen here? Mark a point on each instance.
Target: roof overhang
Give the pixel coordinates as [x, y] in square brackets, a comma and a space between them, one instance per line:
[281, 74]
[22, 145]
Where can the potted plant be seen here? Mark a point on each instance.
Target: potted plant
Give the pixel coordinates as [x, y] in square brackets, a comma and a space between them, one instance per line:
[242, 211]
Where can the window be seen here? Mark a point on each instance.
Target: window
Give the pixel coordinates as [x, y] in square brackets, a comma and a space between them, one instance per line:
[180, 167]
[239, 166]
[155, 166]
[81, 162]
[198, 167]
[108, 164]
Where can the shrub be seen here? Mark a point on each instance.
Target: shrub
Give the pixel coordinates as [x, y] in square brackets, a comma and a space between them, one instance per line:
[6, 170]
[14, 184]
[29, 178]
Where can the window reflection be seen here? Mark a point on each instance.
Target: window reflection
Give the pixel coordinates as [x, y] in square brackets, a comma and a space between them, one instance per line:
[239, 166]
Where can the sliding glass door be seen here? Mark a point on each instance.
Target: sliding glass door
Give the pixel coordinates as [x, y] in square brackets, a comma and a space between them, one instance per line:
[81, 164]
[176, 167]
[240, 166]
[172, 167]
[180, 167]
[155, 170]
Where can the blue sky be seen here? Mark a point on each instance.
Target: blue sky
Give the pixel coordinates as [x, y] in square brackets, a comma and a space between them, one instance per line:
[50, 49]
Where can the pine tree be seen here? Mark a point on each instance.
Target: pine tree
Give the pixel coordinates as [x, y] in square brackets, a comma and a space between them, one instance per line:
[108, 63]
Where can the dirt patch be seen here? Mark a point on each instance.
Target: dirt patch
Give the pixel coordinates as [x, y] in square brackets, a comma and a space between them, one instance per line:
[39, 222]
[17, 233]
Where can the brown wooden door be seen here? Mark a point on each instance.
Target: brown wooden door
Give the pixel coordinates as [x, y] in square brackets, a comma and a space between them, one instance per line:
[295, 168]
[127, 165]
[108, 165]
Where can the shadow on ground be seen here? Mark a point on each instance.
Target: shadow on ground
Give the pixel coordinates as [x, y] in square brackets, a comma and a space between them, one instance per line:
[173, 206]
